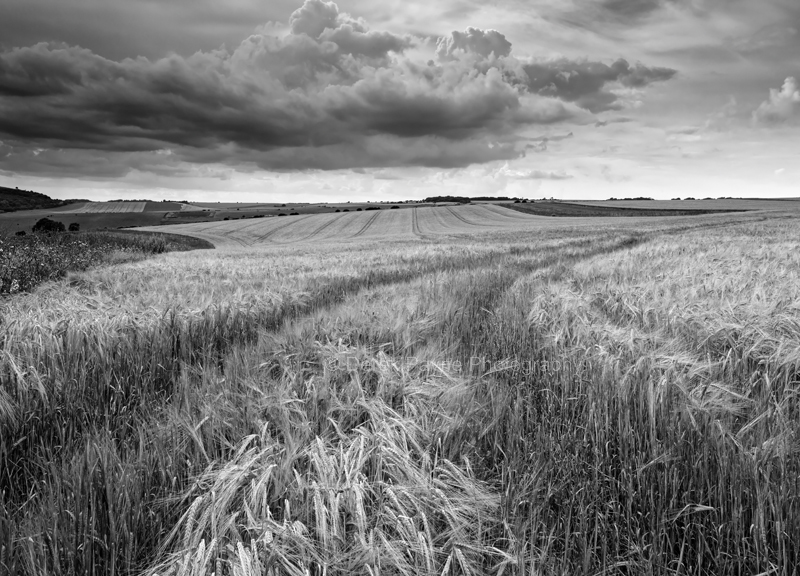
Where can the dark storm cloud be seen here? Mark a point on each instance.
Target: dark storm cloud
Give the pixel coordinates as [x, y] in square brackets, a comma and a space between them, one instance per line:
[585, 82]
[39, 71]
[84, 164]
[603, 16]
[329, 93]
[634, 11]
[119, 29]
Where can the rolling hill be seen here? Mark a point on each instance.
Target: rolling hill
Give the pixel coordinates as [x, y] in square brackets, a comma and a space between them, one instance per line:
[13, 199]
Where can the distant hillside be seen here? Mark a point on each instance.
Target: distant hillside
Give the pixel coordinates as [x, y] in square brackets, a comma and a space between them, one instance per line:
[12, 199]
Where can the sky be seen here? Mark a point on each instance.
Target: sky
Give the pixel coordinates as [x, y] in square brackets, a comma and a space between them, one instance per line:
[316, 101]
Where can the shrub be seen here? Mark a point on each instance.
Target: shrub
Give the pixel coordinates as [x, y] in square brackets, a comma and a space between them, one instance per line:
[74, 227]
[20, 233]
[47, 225]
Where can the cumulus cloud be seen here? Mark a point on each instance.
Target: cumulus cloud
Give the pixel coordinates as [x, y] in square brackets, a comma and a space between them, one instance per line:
[482, 42]
[328, 92]
[782, 107]
[322, 21]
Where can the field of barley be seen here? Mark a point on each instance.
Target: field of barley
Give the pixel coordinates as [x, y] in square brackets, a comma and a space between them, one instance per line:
[434, 391]
[418, 223]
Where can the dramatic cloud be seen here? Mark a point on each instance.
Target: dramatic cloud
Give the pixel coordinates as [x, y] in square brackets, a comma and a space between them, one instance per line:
[326, 93]
[782, 107]
[322, 21]
[585, 82]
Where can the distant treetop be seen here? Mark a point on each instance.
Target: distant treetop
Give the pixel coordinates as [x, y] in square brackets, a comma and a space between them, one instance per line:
[459, 199]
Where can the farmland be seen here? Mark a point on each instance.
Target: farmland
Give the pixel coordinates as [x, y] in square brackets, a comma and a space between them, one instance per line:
[781, 204]
[112, 207]
[127, 214]
[403, 224]
[453, 390]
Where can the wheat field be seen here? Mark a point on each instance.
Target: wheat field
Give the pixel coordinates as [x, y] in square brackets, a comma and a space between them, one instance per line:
[439, 391]
[418, 223]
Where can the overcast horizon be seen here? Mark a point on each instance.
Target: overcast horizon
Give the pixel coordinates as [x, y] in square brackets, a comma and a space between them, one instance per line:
[319, 101]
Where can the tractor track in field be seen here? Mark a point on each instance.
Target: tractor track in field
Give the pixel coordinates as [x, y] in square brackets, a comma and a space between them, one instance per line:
[415, 229]
[323, 227]
[367, 225]
[251, 225]
[232, 234]
[220, 224]
[443, 224]
[464, 220]
[272, 232]
[239, 241]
